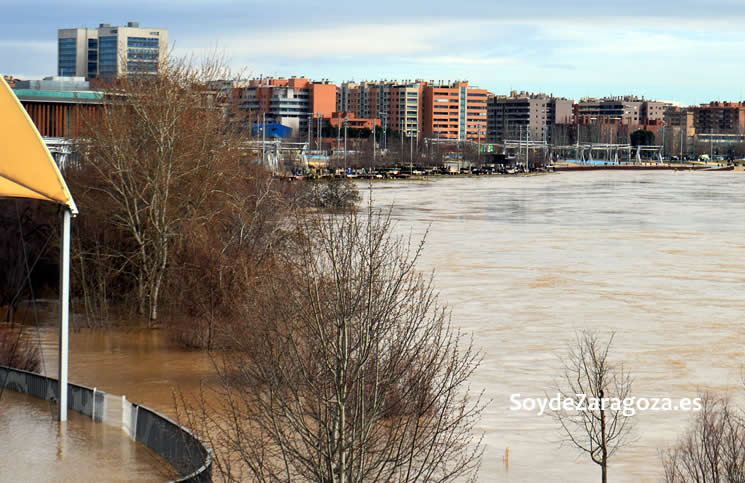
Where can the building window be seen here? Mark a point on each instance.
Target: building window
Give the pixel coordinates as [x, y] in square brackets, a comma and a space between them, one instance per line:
[67, 56]
[142, 67]
[93, 44]
[142, 54]
[107, 53]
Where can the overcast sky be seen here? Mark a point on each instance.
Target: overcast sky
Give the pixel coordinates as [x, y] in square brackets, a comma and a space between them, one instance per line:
[679, 50]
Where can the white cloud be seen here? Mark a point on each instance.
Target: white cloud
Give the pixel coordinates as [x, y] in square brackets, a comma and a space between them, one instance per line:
[24, 47]
[349, 40]
[357, 40]
[445, 60]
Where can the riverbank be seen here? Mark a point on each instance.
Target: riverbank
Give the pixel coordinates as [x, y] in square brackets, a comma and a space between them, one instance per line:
[418, 174]
[641, 167]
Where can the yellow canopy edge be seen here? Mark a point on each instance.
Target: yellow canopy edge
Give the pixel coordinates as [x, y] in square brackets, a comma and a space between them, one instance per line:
[27, 169]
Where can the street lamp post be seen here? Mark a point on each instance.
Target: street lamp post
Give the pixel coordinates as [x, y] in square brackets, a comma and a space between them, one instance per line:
[402, 126]
[478, 154]
[319, 116]
[263, 138]
[385, 128]
[345, 147]
[375, 122]
[711, 143]
[411, 154]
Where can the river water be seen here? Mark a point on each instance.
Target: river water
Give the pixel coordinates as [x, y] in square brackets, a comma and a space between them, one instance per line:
[524, 262]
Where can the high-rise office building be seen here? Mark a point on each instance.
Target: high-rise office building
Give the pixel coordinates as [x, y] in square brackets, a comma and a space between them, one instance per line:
[107, 51]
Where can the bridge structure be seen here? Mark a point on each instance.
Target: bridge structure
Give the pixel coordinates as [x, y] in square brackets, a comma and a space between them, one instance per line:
[276, 154]
[615, 153]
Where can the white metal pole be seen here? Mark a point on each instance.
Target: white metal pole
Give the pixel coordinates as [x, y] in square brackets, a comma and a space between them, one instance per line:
[527, 154]
[374, 125]
[345, 147]
[385, 132]
[478, 153]
[64, 312]
[411, 154]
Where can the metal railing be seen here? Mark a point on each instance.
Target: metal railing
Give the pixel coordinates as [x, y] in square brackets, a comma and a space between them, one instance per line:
[172, 442]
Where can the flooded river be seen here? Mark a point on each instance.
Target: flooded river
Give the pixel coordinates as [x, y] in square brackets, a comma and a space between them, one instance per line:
[523, 262]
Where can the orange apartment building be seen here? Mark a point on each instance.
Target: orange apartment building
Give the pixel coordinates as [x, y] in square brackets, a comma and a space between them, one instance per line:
[415, 108]
[454, 110]
[450, 111]
[290, 102]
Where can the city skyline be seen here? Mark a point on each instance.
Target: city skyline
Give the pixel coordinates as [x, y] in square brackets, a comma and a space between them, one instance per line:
[683, 52]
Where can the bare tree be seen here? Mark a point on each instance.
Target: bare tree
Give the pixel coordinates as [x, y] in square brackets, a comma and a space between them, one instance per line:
[599, 424]
[220, 260]
[156, 149]
[712, 450]
[354, 372]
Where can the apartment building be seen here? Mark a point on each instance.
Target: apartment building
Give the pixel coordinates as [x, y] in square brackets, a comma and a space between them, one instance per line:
[292, 102]
[679, 131]
[107, 51]
[453, 110]
[398, 102]
[719, 117]
[628, 109]
[526, 114]
[654, 111]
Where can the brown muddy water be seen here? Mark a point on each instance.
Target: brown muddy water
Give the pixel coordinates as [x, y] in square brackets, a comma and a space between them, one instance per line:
[35, 447]
[523, 262]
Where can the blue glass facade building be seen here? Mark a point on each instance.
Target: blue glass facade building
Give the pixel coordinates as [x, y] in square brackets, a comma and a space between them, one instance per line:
[110, 51]
[67, 55]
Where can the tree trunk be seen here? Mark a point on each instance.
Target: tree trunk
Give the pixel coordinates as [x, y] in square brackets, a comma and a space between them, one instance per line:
[604, 446]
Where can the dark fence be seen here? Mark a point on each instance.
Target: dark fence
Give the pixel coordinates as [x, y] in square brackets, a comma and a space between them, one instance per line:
[174, 443]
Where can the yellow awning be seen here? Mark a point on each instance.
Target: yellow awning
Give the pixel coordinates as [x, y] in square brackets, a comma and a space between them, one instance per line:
[27, 169]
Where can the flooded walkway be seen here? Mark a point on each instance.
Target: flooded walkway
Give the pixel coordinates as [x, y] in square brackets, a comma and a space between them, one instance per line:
[35, 448]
